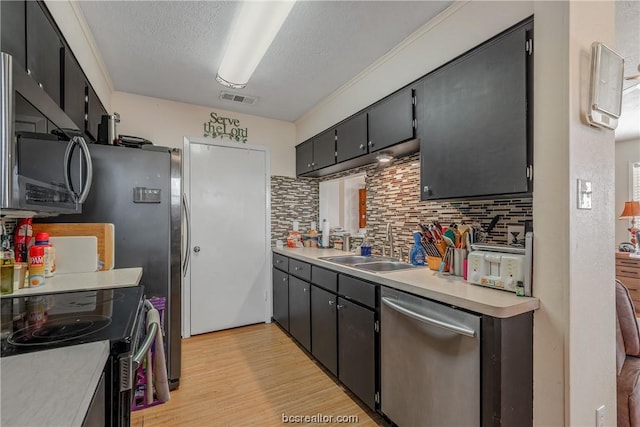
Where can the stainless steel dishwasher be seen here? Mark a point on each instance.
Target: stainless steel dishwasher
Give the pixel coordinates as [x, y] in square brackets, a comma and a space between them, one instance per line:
[430, 362]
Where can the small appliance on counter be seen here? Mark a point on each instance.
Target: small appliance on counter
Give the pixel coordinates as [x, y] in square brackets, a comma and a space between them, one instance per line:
[502, 267]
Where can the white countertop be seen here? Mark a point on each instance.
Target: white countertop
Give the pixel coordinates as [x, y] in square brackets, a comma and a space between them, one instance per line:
[446, 288]
[51, 387]
[70, 282]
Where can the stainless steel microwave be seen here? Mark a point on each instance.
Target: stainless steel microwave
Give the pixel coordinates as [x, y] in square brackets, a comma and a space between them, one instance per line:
[40, 174]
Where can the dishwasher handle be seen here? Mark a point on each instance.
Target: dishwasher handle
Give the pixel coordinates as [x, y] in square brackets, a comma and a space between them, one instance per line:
[395, 305]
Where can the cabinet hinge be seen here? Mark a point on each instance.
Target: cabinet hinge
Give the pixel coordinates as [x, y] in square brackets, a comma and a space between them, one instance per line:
[414, 101]
[415, 125]
[376, 397]
[335, 154]
[376, 326]
[530, 172]
[528, 46]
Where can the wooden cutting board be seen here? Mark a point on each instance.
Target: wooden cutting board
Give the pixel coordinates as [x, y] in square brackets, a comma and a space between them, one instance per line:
[103, 231]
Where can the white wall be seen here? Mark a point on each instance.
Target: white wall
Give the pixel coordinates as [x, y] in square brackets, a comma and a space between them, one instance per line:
[626, 152]
[573, 257]
[166, 123]
[71, 22]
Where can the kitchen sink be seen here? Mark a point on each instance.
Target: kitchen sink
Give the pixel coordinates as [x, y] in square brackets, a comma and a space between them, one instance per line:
[356, 259]
[370, 263]
[385, 266]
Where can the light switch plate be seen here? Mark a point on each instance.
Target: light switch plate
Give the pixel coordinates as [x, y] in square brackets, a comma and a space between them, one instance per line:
[584, 194]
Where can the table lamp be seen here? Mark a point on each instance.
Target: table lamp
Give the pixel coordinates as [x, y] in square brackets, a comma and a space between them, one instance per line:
[632, 210]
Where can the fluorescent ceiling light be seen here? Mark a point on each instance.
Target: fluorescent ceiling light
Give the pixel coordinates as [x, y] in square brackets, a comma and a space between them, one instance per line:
[253, 30]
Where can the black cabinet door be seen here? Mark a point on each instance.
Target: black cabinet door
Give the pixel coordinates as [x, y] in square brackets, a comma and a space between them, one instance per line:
[324, 149]
[94, 114]
[44, 49]
[352, 138]
[12, 32]
[300, 311]
[324, 328]
[281, 298]
[391, 120]
[356, 350]
[304, 157]
[75, 87]
[472, 122]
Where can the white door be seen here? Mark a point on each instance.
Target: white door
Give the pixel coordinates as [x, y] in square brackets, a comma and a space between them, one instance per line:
[229, 207]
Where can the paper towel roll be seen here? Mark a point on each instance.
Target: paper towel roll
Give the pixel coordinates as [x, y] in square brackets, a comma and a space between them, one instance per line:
[325, 233]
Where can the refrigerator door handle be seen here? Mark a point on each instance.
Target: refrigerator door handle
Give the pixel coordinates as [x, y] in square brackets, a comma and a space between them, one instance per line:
[187, 252]
[87, 184]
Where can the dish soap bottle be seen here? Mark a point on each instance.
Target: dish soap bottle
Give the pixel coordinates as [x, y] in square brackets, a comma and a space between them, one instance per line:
[418, 254]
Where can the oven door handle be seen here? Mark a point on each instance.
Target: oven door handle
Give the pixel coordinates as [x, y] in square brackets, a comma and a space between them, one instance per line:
[146, 344]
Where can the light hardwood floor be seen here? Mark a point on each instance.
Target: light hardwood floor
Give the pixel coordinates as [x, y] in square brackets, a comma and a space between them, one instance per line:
[251, 376]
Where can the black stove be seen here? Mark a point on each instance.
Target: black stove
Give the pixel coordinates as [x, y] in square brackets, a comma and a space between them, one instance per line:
[42, 322]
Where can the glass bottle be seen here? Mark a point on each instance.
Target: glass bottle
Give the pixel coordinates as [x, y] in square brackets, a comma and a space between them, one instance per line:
[6, 267]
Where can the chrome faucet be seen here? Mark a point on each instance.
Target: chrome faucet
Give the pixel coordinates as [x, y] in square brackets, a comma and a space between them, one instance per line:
[389, 237]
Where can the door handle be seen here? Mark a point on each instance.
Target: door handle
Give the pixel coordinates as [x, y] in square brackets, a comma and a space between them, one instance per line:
[458, 329]
[187, 252]
[76, 140]
[196, 249]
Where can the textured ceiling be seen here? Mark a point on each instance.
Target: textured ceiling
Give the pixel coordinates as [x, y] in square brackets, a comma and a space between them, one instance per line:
[172, 49]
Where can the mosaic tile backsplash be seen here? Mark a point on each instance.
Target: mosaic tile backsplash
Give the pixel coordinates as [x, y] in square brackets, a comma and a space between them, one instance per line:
[393, 196]
[293, 200]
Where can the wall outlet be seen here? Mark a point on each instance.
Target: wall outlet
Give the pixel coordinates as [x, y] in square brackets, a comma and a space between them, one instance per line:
[600, 415]
[515, 232]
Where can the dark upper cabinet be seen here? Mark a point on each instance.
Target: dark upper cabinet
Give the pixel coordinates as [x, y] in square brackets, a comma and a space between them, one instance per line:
[300, 311]
[352, 138]
[12, 31]
[304, 157]
[75, 89]
[391, 120]
[324, 149]
[473, 123]
[94, 114]
[281, 298]
[324, 328]
[356, 349]
[44, 50]
[316, 153]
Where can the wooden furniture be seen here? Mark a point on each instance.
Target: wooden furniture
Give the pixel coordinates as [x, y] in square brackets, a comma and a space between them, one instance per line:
[628, 272]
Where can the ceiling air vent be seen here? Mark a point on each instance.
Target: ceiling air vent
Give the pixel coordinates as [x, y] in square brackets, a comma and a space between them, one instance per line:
[243, 99]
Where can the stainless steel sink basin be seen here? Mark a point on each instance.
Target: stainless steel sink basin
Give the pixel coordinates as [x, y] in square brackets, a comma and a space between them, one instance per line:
[370, 263]
[385, 266]
[355, 259]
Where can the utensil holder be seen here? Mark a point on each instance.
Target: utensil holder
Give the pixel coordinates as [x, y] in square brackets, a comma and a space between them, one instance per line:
[434, 262]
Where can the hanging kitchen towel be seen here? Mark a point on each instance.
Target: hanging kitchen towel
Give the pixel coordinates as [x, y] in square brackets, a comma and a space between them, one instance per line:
[159, 364]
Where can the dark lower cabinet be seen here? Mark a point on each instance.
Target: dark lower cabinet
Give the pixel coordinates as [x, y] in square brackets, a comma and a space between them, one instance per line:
[324, 328]
[300, 311]
[12, 30]
[356, 350]
[281, 298]
[44, 50]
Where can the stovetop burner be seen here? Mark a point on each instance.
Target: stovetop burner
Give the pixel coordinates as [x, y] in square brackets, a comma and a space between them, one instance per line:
[40, 322]
[59, 330]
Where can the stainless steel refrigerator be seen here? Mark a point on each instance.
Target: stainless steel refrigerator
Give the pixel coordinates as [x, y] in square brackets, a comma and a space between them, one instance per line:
[139, 191]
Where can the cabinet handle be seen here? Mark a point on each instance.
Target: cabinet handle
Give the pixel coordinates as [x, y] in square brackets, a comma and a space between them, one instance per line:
[40, 84]
[313, 164]
[28, 72]
[331, 302]
[284, 279]
[426, 189]
[308, 165]
[305, 289]
[370, 144]
[339, 307]
[277, 261]
[296, 268]
[362, 146]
